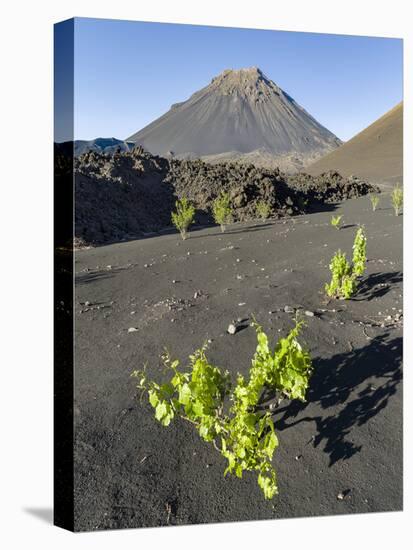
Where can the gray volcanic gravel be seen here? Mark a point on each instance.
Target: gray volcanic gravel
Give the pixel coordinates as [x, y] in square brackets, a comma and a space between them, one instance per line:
[340, 452]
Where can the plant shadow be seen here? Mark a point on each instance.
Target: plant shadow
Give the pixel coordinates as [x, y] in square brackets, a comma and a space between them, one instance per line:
[343, 386]
[250, 227]
[377, 285]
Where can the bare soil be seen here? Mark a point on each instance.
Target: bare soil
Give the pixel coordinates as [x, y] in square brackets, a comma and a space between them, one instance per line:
[340, 452]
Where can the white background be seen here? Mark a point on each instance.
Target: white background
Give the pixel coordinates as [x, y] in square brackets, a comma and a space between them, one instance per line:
[26, 271]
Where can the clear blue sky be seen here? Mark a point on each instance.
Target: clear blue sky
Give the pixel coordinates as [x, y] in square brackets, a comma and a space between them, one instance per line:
[129, 73]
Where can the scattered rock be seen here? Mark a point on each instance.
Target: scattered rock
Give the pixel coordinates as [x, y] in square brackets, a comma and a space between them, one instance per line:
[232, 329]
[132, 329]
[289, 309]
[309, 313]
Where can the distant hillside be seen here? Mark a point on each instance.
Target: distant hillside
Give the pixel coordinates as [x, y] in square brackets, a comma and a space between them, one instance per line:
[99, 145]
[375, 154]
[240, 113]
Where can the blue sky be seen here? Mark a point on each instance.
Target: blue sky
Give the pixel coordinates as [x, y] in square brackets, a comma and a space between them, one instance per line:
[129, 73]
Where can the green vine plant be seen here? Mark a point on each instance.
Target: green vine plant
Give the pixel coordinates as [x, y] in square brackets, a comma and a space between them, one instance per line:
[235, 419]
[222, 211]
[374, 199]
[397, 199]
[183, 217]
[335, 221]
[344, 276]
[263, 210]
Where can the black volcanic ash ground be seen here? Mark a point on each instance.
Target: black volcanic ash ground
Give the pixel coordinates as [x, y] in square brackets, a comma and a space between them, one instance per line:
[341, 452]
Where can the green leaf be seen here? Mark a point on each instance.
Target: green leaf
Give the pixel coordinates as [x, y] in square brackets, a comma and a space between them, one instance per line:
[166, 420]
[268, 485]
[198, 408]
[203, 431]
[184, 394]
[160, 410]
[153, 398]
[168, 389]
[262, 341]
[240, 452]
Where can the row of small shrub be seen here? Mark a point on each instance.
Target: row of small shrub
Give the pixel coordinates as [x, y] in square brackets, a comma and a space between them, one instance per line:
[396, 198]
[184, 215]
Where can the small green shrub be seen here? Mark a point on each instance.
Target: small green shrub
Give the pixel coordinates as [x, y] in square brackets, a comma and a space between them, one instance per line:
[344, 275]
[359, 253]
[222, 211]
[374, 199]
[335, 221]
[341, 280]
[263, 209]
[242, 431]
[184, 216]
[397, 199]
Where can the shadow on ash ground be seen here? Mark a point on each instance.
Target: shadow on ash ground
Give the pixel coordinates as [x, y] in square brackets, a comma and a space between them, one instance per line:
[346, 439]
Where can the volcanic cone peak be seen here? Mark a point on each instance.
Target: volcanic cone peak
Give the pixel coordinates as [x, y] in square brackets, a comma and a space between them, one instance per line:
[238, 113]
[250, 82]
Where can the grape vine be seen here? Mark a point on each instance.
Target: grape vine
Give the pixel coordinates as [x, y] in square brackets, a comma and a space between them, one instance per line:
[344, 276]
[242, 430]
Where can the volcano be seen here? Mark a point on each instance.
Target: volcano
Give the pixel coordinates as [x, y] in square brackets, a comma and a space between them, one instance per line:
[241, 114]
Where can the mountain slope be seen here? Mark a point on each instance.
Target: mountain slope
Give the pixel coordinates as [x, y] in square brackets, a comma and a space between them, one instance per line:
[375, 154]
[101, 145]
[240, 111]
